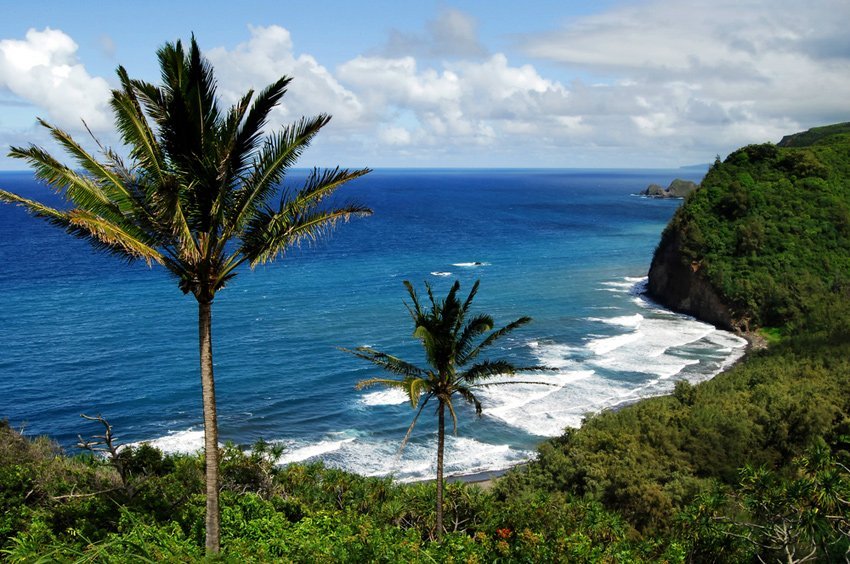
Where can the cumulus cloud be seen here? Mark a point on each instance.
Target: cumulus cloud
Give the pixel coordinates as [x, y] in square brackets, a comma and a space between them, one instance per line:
[268, 55]
[463, 103]
[43, 70]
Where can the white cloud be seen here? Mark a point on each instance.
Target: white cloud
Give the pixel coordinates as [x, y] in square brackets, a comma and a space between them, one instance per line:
[645, 83]
[465, 104]
[394, 136]
[707, 75]
[268, 55]
[43, 70]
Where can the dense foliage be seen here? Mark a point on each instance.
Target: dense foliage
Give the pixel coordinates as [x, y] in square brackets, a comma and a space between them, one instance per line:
[76, 508]
[770, 229]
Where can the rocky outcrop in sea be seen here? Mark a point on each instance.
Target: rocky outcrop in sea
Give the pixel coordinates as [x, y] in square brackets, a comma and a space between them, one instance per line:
[677, 189]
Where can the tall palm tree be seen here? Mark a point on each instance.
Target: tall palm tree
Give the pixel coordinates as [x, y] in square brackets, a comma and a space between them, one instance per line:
[199, 194]
[452, 342]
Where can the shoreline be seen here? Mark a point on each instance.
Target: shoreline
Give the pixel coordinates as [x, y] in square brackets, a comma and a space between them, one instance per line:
[487, 479]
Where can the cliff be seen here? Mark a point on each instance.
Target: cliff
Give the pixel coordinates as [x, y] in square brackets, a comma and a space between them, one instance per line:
[765, 241]
[679, 285]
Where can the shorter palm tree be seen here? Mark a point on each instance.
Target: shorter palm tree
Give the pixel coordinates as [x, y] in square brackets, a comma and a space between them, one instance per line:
[452, 343]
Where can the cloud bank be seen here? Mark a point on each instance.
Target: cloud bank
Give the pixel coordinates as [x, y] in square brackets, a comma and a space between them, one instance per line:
[641, 84]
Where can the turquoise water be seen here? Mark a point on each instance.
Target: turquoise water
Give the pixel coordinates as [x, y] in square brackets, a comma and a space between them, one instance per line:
[85, 333]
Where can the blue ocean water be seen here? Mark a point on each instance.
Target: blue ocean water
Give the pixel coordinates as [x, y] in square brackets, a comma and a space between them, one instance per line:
[82, 332]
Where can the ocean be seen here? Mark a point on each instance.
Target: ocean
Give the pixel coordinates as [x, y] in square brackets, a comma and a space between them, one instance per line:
[85, 333]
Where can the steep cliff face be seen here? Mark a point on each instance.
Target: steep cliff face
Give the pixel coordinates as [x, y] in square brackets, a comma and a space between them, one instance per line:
[680, 286]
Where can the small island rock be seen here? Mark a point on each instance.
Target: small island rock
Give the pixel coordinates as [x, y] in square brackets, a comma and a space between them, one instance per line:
[677, 189]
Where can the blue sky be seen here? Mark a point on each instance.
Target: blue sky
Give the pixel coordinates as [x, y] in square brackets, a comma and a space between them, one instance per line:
[458, 84]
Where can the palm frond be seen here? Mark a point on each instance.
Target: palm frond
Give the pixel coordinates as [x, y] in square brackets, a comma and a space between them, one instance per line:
[448, 403]
[464, 309]
[473, 328]
[152, 98]
[492, 338]
[471, 296]
[388, 362]
[271, 234]
[166, 203]
[388, 382]
[321, 184]
[416, 310]
[279, 152]
[491, 369]
[487, 369]
[251, 128]
[134, 128]
[412, 425]
[469, 396]
[113, 238]
[110, 182]
[514, 382]
[37, 209]
[103, 234]
[74, 187]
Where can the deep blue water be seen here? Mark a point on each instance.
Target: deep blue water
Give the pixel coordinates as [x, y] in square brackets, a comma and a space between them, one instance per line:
[82, 332]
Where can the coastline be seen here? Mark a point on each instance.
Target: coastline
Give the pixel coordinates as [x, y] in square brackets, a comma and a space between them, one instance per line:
[487, 479]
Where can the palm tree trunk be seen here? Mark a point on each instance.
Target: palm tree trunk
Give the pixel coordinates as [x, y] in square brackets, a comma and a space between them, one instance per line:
[213, 526]
[441, 442]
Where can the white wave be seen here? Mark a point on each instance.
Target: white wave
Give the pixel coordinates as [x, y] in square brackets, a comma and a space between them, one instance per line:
[463, 455]
[470, 264]
[391, 396]
[605, 345]
[546, 411]
[623, 320]
[645, 349]
[437, 273]
[294, 453]
[659, 343]
[554, 355]
[189, 441]
[528, 405]
[619, 286]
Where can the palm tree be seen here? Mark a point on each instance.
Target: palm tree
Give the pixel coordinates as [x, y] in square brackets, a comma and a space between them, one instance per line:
[196, 195]
[452, 343]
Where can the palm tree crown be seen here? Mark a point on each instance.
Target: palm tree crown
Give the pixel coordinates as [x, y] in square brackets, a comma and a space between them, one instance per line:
[199, 180]
[199, 193]
[452, 340]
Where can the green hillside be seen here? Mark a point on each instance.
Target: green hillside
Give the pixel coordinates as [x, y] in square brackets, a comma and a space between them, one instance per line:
[770, 229]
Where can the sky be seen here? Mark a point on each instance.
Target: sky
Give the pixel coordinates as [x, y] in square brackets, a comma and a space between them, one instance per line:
[477, 83]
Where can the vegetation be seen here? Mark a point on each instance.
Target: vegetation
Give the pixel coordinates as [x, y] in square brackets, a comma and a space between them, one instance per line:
[195, 197]
[62, 508]
[452, 341]
[770, 230]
